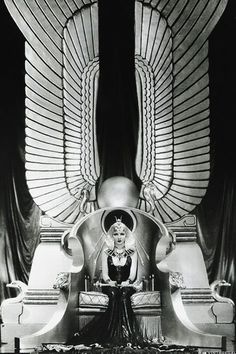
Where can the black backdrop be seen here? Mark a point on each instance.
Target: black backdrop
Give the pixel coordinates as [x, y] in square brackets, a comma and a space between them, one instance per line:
[117, 134]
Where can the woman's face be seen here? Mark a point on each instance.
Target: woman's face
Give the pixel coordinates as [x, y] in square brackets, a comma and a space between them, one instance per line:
[119, 237]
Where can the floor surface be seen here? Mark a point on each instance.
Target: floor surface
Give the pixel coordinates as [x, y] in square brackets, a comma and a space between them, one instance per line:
[230, 349]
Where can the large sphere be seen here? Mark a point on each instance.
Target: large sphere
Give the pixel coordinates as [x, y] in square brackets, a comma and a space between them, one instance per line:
[118, 192]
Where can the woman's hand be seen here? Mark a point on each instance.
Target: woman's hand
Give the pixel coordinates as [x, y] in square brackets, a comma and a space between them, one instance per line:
[125, 283]
[112, 283]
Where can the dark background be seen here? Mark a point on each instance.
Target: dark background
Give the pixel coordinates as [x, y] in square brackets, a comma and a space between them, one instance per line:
[218, 208]
[221, 69]
[222, 83]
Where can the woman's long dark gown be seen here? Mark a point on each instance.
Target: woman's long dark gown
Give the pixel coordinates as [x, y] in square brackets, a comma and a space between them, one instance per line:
[117, 325]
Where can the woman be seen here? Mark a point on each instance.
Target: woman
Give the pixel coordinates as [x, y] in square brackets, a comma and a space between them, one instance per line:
[119, 267]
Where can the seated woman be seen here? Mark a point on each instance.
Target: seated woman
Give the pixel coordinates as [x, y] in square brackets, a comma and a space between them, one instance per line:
[119, 267]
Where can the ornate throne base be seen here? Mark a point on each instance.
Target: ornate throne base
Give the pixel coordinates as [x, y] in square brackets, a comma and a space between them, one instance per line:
[43, 313]
[204, 307]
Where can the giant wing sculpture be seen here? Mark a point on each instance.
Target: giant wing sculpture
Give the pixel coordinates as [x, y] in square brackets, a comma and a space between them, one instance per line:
[62, 69]
[61, 66]
[172, 85]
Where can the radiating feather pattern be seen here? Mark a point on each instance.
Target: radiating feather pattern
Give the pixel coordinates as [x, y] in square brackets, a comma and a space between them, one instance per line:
[154, 65]
[61, 43]
[172, 79]
[177, 181]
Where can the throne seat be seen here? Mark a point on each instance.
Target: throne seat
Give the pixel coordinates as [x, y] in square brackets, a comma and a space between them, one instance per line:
[146, 302]
[146, 306]
[92, 302]
[143, 303]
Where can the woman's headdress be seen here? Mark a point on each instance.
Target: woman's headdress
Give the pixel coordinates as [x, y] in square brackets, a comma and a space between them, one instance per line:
[118, 226]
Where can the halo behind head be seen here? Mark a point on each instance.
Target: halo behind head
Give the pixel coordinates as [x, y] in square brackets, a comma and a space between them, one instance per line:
[126, 216]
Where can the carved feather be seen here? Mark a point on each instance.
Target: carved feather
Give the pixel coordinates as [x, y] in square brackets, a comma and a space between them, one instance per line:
[172, 79]
[61, 83]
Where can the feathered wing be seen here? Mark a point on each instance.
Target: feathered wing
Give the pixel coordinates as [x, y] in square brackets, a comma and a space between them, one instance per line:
[173, 91]
[61, 84]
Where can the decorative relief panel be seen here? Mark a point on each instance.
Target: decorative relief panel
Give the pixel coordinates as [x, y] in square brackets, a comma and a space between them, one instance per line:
[62, 69]
[172, 39]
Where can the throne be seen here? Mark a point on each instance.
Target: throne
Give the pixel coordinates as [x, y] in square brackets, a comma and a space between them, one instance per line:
[146, 302]
[70, 296]
[62, 172]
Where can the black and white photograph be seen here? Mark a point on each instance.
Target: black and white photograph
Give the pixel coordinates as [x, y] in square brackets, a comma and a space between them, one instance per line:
[118, 176]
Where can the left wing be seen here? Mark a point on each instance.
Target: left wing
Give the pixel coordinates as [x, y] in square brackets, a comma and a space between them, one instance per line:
[61, 65]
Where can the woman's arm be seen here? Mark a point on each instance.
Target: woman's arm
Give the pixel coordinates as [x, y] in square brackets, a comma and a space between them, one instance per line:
[105, 275]
[133, 268]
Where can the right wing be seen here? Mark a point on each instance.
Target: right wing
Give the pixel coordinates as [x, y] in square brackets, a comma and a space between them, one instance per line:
[173, 159]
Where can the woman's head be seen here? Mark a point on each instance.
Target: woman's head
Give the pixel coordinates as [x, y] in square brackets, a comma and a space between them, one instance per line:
[119, 232]
[120, 236]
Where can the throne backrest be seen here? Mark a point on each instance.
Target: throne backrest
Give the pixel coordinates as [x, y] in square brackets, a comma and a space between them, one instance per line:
[146, 232]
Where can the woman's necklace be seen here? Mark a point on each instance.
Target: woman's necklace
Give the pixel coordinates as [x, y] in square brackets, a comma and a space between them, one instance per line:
[119, 253]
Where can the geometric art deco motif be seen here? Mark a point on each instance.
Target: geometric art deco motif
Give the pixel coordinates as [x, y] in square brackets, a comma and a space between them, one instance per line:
[61, 81]
[62, 70]
[172, 55]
